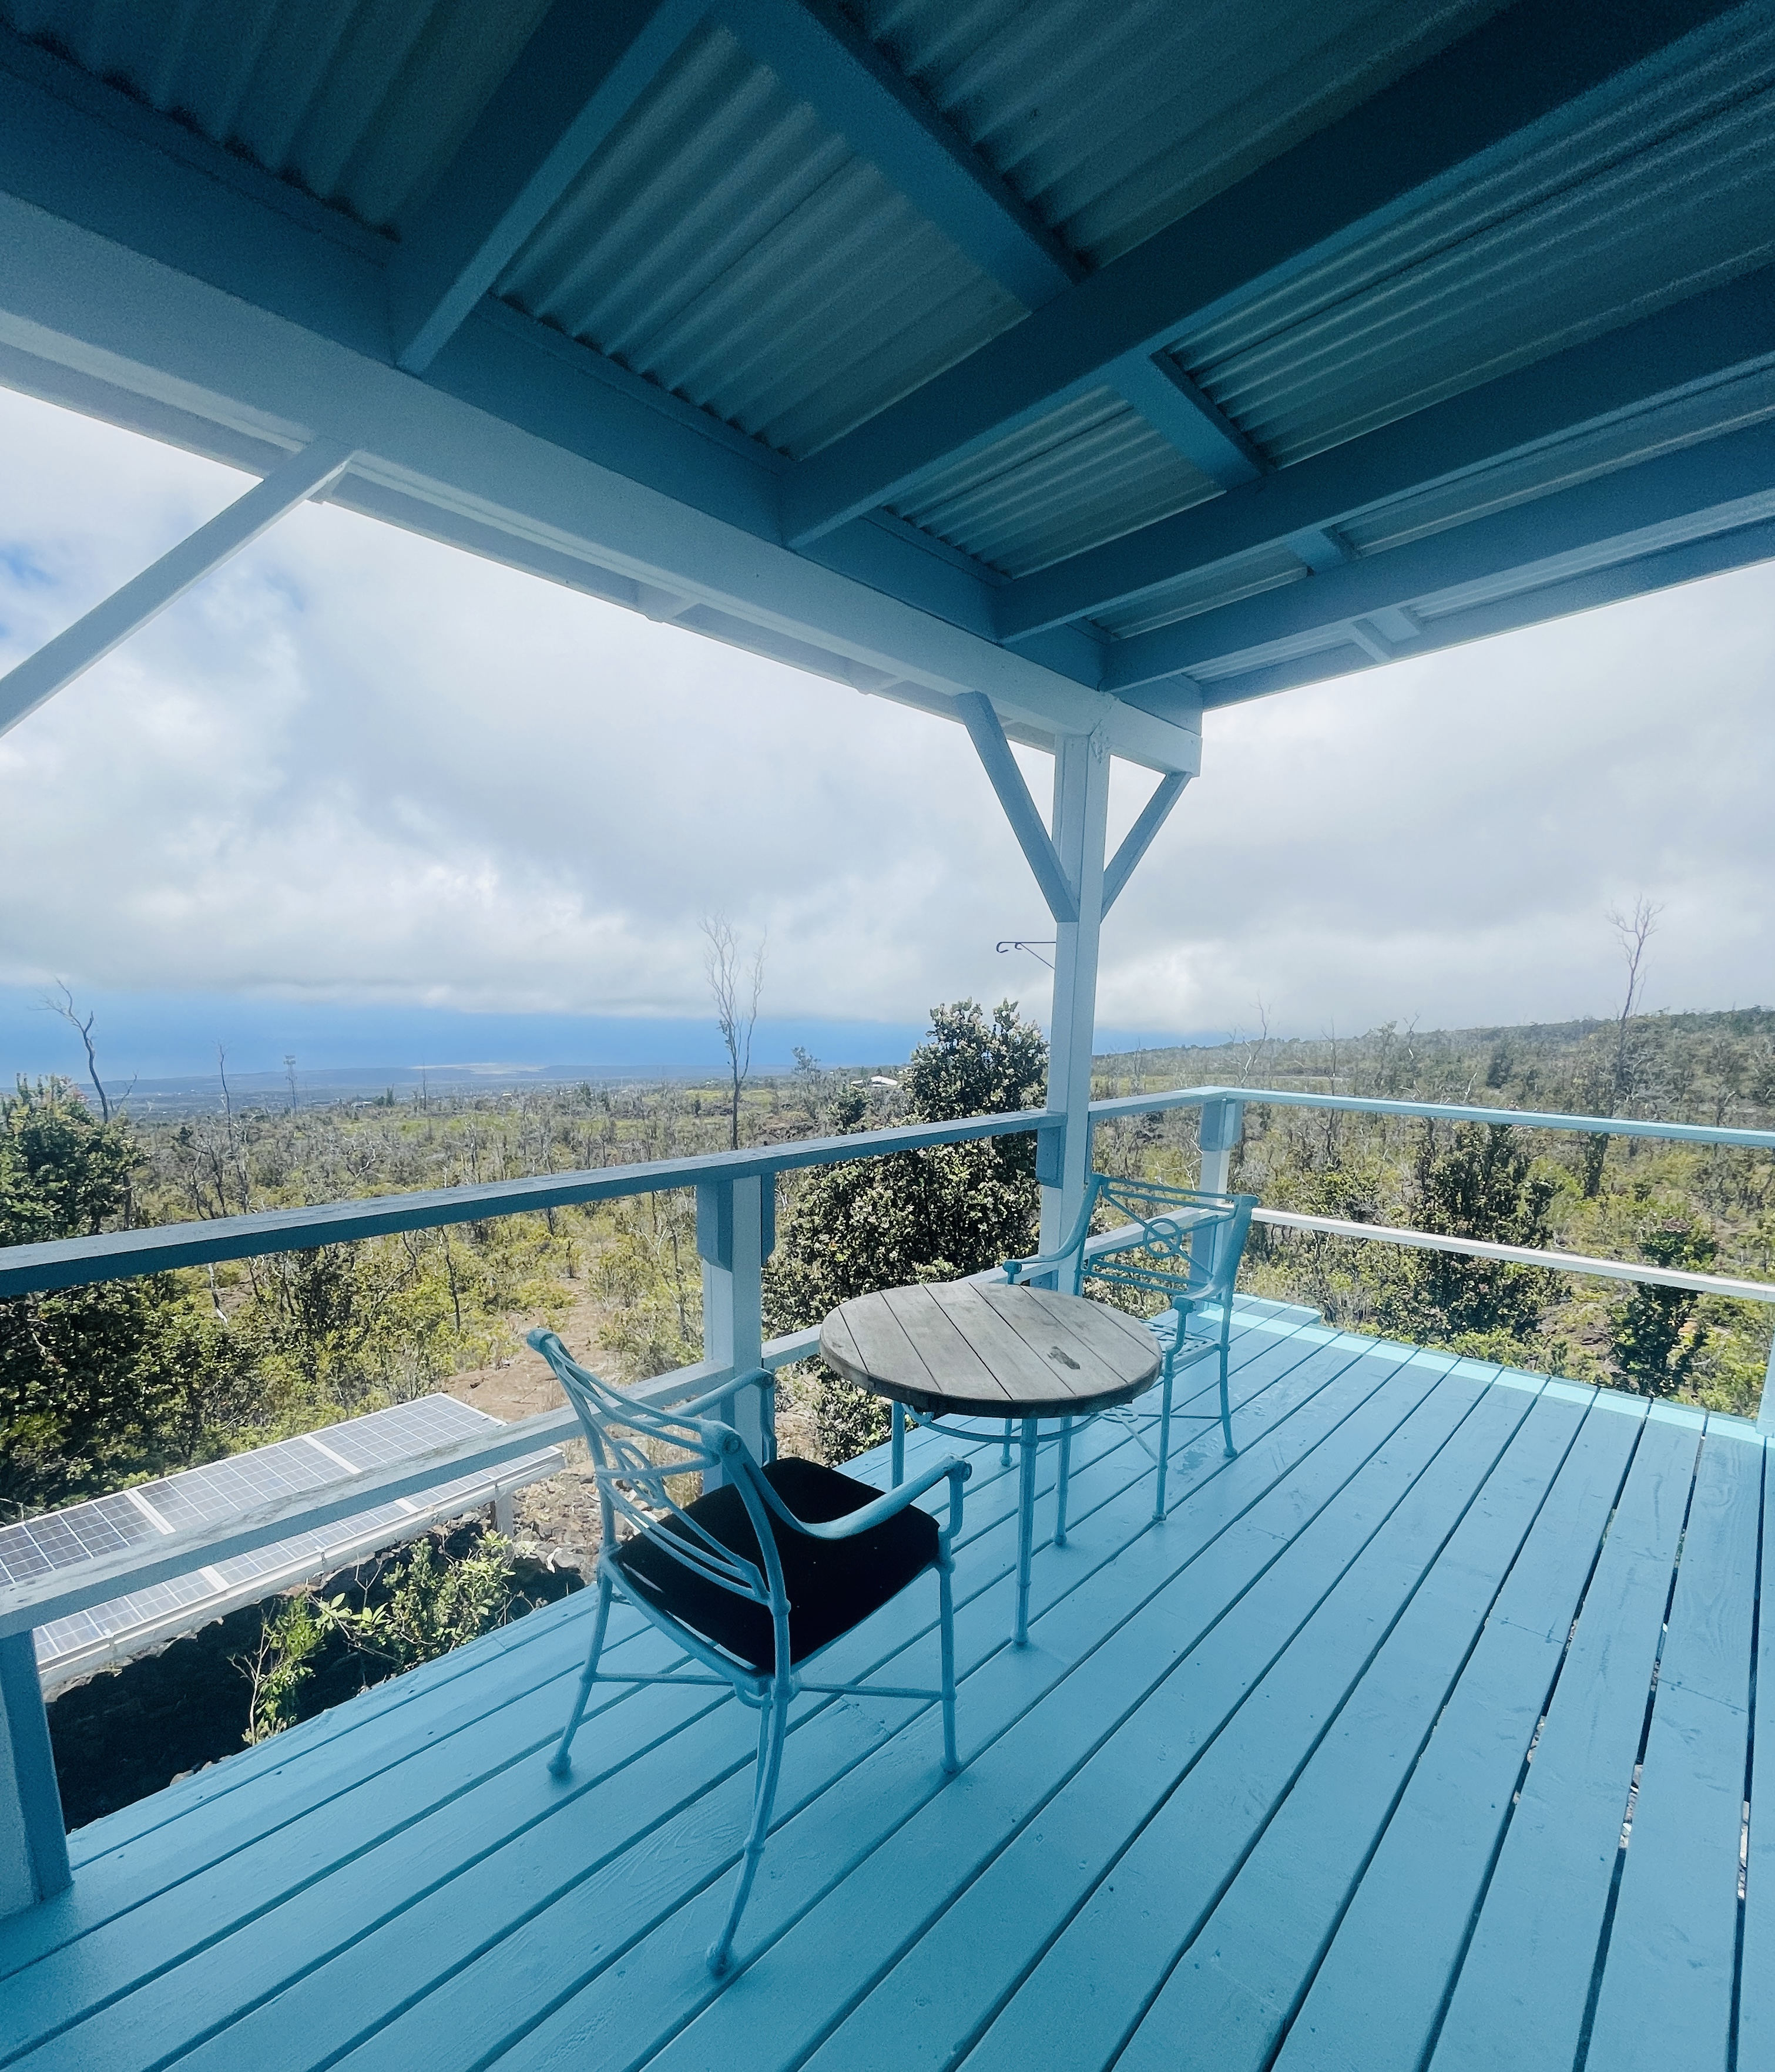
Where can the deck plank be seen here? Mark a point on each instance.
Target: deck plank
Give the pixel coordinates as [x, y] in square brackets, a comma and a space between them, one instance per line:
[1374, 2004]
[1237, 1520]
[1666, 1997]
[1239, 1805]
[1521, 1996]
[254, 1774]
[316, 1922]
[1111, 1946]
[806, 1981]
[1757, 1975]
[1239, 1984]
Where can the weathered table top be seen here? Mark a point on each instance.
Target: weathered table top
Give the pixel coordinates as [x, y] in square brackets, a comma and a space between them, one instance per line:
[982, 1349]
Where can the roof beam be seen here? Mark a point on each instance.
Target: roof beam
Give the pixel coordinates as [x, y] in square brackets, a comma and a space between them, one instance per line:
[580, 73]
[1690, 562]
[1721, 484]
[823, 59]
[92, 636]
[1161, 391]
[1726, 330]
[1416, 138]
[523, 468]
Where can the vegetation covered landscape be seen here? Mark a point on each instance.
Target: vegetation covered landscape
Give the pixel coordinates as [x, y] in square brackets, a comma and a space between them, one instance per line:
[104, 1386]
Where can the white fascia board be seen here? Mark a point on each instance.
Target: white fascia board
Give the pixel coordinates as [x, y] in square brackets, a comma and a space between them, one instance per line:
[75, 300]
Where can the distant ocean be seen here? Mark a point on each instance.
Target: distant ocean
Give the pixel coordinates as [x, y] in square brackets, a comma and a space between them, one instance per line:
[168, 1041]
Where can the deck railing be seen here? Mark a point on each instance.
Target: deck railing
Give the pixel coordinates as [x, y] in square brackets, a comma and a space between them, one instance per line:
[735, 1214]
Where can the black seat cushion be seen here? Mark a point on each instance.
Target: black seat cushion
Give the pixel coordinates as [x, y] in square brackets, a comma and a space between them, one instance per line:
[832, 1584]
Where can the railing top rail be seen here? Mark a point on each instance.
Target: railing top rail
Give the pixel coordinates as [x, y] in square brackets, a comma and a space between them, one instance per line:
[28, 1269]
[1596, 1125]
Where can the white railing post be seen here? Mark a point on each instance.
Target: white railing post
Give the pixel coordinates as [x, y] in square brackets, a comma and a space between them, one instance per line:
[735, 1236]
[1221, 1128]
[33, 1841]
[1082, 804]
[1765, 1408]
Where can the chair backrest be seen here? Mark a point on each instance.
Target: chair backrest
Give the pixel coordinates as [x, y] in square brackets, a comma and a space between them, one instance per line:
[633, 1487]
[1187, 1243]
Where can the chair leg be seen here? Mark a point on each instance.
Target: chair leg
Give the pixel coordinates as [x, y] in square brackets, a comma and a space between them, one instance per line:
[898, 1451]
[562, 1760]
[1004, 1457]
[1065, 1481]
[1164, 1442]
[772, 1724]
[1226, 1409]
[945, 1597]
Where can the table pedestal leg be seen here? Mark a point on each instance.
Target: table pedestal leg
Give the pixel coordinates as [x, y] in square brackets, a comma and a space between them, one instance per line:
[1065, 1475]
[1026, 1528]
[897, 1452]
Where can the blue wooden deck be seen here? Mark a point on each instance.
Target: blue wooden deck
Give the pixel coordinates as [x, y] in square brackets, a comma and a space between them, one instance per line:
[1331, 1770]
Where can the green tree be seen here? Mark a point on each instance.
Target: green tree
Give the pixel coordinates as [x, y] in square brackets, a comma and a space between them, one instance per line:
[101, 1383]
[917, 1215]
[1653, 1335]
[1483, 1185]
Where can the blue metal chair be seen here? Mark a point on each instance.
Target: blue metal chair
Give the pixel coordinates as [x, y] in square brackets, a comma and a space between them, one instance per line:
[756, 1577]
[1173, 1242]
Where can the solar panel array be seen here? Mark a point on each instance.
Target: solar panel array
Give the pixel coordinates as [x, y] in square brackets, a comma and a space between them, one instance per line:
[223, 1490]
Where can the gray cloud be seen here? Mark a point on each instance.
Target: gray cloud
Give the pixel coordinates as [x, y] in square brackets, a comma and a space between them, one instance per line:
[356, 765]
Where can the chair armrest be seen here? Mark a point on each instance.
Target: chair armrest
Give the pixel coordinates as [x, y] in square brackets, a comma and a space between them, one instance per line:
[1012, 1268]
[761, 1377]
[884, 1507]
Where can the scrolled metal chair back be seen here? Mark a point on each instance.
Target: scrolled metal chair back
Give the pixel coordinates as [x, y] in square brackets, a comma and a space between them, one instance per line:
[1183, 1252]
[633, 1487]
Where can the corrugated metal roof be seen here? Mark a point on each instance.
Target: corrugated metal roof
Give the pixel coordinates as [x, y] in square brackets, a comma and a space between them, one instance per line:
[1559, 464]
[1665, 192]
[728, 245]
[1081, 474]
[1241, 575]
[360, 102]
[1541, 470]
[1113, 122]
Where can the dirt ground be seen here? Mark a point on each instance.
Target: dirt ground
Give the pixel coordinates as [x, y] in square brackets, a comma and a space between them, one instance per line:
[557, 1520]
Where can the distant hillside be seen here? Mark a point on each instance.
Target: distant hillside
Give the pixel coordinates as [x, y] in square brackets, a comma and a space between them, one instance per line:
[1717, 1068]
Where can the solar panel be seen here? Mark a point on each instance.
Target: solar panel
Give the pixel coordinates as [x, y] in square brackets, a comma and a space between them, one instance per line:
[72, 1647]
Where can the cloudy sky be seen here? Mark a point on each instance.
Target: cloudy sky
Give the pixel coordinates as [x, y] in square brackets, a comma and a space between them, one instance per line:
[358, 774]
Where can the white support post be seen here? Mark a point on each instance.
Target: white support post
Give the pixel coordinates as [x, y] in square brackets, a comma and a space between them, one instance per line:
[58, 662]
[1765, 1407]
[1081, 806]
[1221, 1128]
[33, 1842]
[735, 1233]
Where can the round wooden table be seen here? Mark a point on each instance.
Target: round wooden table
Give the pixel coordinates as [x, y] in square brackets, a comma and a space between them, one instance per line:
[984, 1349]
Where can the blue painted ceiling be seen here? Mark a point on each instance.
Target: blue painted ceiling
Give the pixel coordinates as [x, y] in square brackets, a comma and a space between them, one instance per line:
[830, 235]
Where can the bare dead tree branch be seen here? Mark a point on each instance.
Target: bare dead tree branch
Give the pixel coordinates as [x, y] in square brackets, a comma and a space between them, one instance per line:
[69, 1014]
[735, 987]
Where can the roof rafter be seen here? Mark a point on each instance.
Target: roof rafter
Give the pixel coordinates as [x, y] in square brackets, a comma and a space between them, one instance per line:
[1718, 485]
[586, 66]
[1712, 336]
[1522, 67]
[822, 58]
